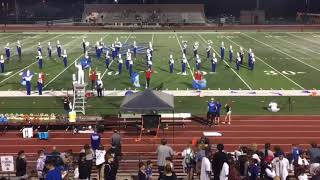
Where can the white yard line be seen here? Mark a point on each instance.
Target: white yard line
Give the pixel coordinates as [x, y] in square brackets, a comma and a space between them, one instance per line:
[268, 65]
[296, 46]
[105, 71]
[186, 55]
[249, 87]
[315, 42]
[281, 52]
[67, 67]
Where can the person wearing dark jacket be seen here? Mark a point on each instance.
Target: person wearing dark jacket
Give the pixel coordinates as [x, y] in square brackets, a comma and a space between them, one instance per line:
[168, 173]
[21, 165]
[109, 168]
[218, 160]
[142, 175]
[84, 171]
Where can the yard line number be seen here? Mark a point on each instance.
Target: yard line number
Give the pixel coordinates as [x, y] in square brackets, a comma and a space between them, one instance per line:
[290, 73]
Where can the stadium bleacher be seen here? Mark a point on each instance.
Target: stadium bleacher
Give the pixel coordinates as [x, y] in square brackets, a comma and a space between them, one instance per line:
[144, 13]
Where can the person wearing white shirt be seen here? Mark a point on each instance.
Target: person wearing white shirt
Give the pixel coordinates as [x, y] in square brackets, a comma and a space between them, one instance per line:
[282, 166]
[302, 160]
[224, 173]
[2, 63]
[273, 107]
[205, 173]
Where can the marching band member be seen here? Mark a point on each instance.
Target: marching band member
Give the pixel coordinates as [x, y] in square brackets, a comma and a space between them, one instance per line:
[198, 62]
[40, 82]
[7, 49]
[238, 62]
[151, 49]
[208, 50]
[128, 59]
[184, 65]
[65, 59]
[120, 61]
[184, 47]
[249, 57]
[230, 54]
[19, 52]
[195, 48]
[49, 50]
[28, 76]
[59, 51]
[39, 47]
[2, 63]
[113, 51]
[84, 45]
[171, 63]
[241, 55]
[107, 59]
[135, 49]
[130, 66]
[222, 50]
[253, 60]
[40, 59]
[214, 62]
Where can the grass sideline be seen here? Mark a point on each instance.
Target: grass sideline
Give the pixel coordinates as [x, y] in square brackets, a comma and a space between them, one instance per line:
[195, 105]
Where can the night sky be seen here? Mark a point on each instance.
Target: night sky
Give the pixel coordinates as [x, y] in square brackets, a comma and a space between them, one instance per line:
[273, 8]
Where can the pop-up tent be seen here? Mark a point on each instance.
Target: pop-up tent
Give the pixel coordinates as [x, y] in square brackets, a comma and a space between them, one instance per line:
[148, 102]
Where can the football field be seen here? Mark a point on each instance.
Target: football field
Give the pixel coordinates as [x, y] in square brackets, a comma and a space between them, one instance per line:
[284, 60]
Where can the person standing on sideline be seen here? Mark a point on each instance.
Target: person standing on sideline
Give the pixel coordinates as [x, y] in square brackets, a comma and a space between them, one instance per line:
[227, 107]
[21, 165]
[217, 118]
[99, 87]
[212, 109]
[148, 77]
[93, 77]
[163, 151]
[67, 106]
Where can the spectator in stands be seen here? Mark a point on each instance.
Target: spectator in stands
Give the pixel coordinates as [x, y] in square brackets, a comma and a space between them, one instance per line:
[266, 151]
[281, 165]
[149, 170]
[268, 171]
[234, 173]
[114, 151]
[40, 164]
[224, 173]
[95, 140]
[169, 174]
[301, 173]
[169, 161]
[21, 165]
[83, 165]
[278, 151]
[217, 162]
[188, 161]
[142, 175]
[163, 151]
[109, 168]
[54, 173]
[315, 170]
[116, 140]
[254, 169]
[55, 152]
[314, 153]
[67, 159]
[295, 150]
[206, 169]
[302, 160]
[89, 154]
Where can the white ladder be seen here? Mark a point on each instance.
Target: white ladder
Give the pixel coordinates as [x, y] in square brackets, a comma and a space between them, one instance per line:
[79, 98]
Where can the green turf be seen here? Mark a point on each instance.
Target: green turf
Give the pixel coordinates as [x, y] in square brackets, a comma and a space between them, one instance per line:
[283, 61]
[194, 105]
[297, 52]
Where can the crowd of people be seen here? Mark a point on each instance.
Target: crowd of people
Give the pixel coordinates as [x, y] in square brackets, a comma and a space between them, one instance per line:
[199, 160]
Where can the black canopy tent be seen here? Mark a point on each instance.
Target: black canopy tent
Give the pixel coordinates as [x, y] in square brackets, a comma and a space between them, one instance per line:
[148, 102]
